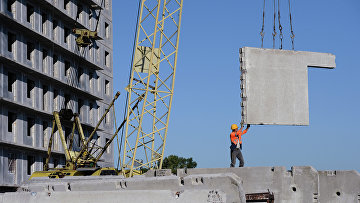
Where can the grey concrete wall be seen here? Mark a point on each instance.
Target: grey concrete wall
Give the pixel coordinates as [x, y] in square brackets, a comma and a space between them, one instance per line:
[274, 84]
[20, 175]
[43, 71]
[158, 196]
[212, 188]
[300, 184]
[339, 186]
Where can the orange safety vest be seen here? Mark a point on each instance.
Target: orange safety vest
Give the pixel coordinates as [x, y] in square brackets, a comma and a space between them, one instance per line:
[234, 138]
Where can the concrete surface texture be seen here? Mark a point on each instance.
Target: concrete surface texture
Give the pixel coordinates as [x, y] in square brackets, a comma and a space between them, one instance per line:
[40, 70]
[210, 188]
[274, 84]
[300, 184]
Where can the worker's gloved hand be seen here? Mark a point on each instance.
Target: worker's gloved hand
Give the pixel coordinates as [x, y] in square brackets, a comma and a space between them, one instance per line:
[248, 126]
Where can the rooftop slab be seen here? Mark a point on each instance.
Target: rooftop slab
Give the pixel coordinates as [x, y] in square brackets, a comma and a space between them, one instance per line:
[274, 84]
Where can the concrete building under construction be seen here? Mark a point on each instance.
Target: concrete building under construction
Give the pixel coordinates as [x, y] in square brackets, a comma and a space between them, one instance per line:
[42, 70]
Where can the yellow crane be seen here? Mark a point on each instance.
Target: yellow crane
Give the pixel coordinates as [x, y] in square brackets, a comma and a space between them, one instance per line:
[84, 161]
[151, 85]
[149, 99]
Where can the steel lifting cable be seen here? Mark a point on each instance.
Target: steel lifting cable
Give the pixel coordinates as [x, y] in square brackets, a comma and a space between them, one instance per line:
[292, 36]
[274, 31]
[131, 64]
[280, 27]
[262, 33]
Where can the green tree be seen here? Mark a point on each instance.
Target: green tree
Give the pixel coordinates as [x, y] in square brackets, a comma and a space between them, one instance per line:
[174, 162]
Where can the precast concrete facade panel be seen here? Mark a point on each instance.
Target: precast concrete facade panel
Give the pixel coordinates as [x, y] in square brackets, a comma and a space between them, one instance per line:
[300, 184]
[40, 69]
[212, 188]
[274, 85]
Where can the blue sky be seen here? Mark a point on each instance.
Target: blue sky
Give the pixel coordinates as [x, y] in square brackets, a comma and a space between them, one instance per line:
[207, 94]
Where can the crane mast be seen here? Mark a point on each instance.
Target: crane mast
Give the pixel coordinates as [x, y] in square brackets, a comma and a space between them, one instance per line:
[151, 84]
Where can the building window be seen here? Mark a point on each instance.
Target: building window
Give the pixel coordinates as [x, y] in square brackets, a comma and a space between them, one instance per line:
[97, 50]
[56, 94]
[56, 163]
[43, 21]
[30, 164]
[107, 87]
[43, 163]
[29, 13]
[107, 30]
[66, 35]
[55, 69]
[107, 59]
[67, 135]
[77, 140]
[90, 16]
[91, 111]
[79, 74]
[67, 68]
[11, 81]
[30, 126]
[91, 76]
[30, 49]
[67, 100]
[107, 118]
[11, 41]
[66, 3]
[80, 12]
[80, 105]
[45, 90]
[44, 59]
[11, 121]
[10, 4]
[91, 52]
[45, 126]
[11, 163]
[55, 25]
[30, 86]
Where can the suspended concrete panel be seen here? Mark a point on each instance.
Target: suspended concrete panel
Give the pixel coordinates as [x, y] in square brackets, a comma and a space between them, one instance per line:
[274, 84]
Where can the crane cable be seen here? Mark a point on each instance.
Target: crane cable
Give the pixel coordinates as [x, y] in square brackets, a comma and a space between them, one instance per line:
[274, 31]
[262, 33]
[292, 36]
[127, 95]
[280, 27]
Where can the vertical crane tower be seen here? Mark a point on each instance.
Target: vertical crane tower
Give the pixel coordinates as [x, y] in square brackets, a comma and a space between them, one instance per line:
[151, 85]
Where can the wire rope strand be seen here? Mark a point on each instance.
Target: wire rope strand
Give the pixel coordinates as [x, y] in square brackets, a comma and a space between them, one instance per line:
[131, 64]
[292, 36]
[280, 27]
[262, 33]
[274, 27]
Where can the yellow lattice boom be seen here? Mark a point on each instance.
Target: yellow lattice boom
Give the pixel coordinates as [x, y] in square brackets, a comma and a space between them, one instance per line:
[151, 85]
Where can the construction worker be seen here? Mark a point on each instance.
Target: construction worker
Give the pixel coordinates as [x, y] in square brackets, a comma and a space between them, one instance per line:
[236, 144]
